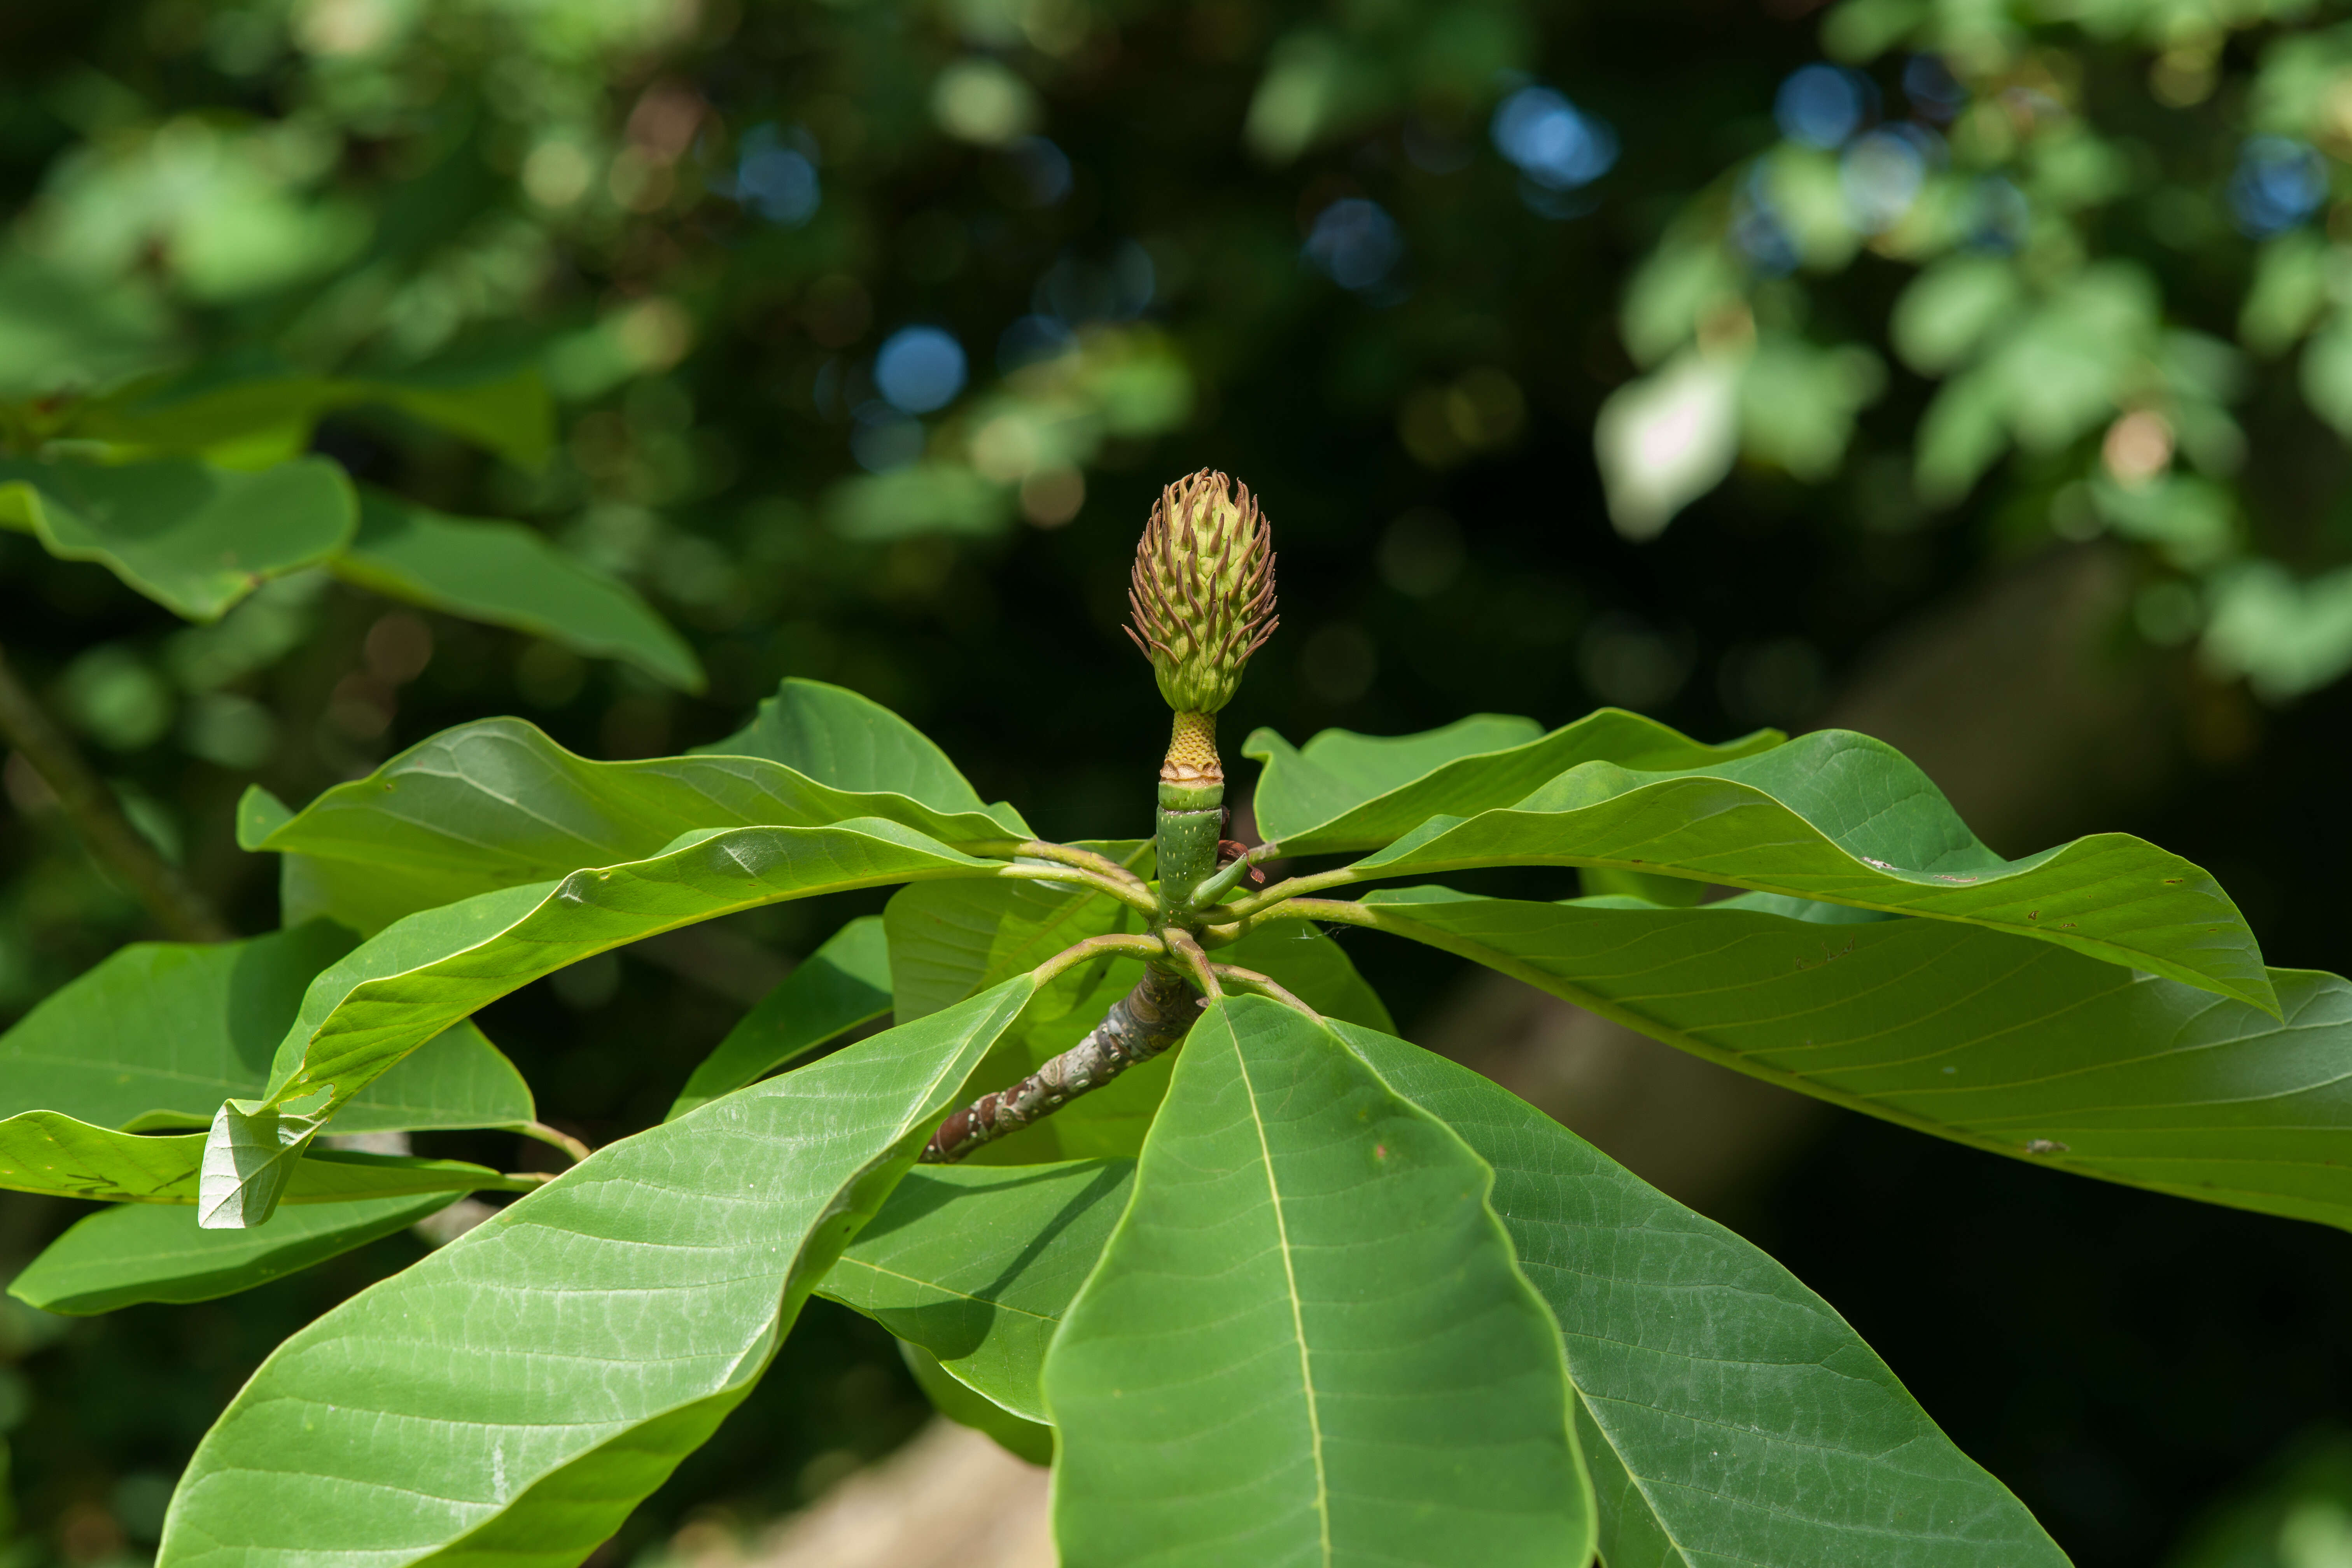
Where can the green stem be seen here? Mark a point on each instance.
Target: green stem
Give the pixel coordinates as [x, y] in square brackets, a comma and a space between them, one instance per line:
[97, 816]
[1060, 854]
[1186, 950]
[1260, 903]
[1251, 980]
[1132, 896]
[1192, 820]
[1094, 947]
[548, 1135]
[1206, 895]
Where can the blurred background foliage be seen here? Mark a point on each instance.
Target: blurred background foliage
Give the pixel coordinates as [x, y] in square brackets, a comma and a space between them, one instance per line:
[1977, 371]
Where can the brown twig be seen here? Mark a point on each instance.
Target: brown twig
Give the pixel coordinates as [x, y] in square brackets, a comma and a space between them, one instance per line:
[1139, 1026]
[97, 816]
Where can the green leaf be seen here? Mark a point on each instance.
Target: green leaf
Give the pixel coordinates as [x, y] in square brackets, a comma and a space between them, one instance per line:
[496, 803]
[159, 1034]
[2010, 1046]
[1307, 1341]
[405, 984]
[851, 743]
[250, 1152]
[148, 1252]
[1680, 1335]
[507, 412]
[509, 1398]
[193, 537]
[1728, 1413]
[217, 408]
[844, 985]
[977, 1264]
[509, 576]
[1348, 792]
[48, 1153]
[959, 1403]
[1838, 816]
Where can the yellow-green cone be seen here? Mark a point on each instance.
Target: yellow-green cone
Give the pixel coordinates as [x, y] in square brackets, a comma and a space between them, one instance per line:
[1203, 592]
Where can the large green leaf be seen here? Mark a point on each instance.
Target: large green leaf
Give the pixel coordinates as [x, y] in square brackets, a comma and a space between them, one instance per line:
[508, 1399]
[152, 1252]
[1307, 1342]
[844, 985]
[51, 1153]
[509, 576]
[1730, 1416]
[416, 978]
[159, 1034]
[1838, 816]
[1345, 792]
[851, 743]
[977, 1264]
[495, 803]
[2008, 1044]
[194, 539]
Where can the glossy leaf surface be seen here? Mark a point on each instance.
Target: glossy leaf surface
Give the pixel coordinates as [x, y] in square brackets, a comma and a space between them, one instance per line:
[2011, 1045]
[496, 803]
[851, 743]
[977, 1264]
[1307, 1342]
[843, 985]
[512, 1396]
[44, 1151]
[1728, 1413]
[405, 984]
[194, 537]
[509, 575]
[1838, 816]
[159, 1034]
[151, 1252]
[1343, 791]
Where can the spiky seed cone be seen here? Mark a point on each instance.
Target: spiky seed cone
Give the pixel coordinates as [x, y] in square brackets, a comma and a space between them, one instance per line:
[1202, 590]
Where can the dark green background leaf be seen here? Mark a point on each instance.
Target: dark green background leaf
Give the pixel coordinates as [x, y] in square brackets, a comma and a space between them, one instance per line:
[194, 539]
[509, 576]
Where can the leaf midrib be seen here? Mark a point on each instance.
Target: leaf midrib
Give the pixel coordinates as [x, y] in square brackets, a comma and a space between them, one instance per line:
[1297, 1315]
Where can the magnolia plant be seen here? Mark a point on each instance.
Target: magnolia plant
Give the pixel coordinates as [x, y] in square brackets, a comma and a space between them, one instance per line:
[1140, 1173]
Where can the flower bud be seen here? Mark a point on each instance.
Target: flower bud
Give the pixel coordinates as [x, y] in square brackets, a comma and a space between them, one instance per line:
[1203, 591]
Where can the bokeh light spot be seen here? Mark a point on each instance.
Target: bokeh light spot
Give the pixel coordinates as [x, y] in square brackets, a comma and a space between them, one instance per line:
[1355, 242]
[1821, 105]
[1551, 141]
[2278, 182]
[919, 369]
